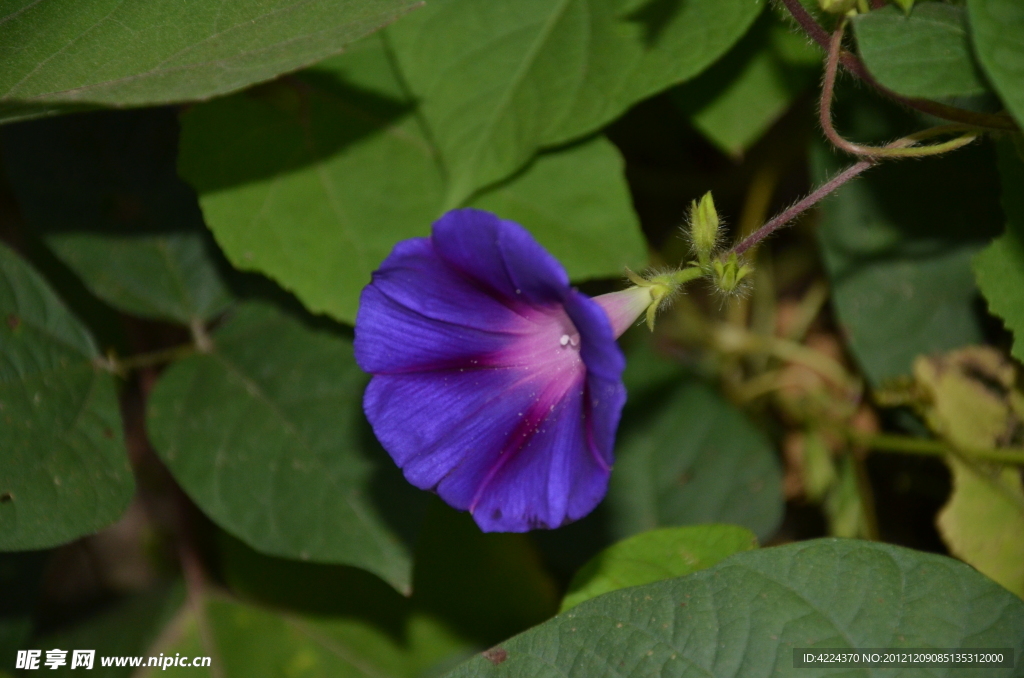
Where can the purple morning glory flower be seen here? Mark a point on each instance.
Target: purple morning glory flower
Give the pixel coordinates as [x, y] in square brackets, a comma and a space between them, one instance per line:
[495, 383]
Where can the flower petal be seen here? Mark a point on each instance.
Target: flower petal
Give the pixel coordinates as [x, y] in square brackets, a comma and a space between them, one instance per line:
[514, 450]
[553, 479]
[501, 255]
[605, 364]
[428, 421]
[600, 353]
[420, 314]
[625, 306]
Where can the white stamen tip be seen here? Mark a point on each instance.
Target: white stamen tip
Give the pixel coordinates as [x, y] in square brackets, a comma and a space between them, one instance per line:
[564, 341]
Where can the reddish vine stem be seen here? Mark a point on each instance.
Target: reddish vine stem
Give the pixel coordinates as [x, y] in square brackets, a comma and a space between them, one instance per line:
[898, 149]
[870, 154]
[855, 66]
[789, 214]
[828, 87]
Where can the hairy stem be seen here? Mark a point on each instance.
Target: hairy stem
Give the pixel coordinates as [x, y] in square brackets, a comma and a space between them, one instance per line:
[900, 150]
[903, 145]
[855, 66]
[685, 275]
[802, 205]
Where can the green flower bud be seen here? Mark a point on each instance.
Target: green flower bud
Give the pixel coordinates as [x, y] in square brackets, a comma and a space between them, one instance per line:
[704, 226]
[729, 273]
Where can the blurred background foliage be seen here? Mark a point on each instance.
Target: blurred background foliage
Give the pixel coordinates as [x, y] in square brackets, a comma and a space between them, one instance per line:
[188, 216]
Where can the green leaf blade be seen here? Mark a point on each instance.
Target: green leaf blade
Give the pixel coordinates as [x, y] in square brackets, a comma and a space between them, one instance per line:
[997, 29]
[898, 246]
[64, 470]
[924, 54]
[998, 271]
[103, 190]
[165, 277]
[314, 185]
[696, 460]
[736, 100]
[332, 647]
[123, 54]
[250, 641]
[744, 615]
[319, 200]
[577, 203]
[238, 638]
[656, 555]
[266, 435]
[999, 268]
[501, 80]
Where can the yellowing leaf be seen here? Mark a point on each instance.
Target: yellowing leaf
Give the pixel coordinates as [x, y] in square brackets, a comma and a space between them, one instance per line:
[966, 396]
[983, 522]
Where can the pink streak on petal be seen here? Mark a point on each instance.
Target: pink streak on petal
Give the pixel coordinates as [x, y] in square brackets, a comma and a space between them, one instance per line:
[527, 427]
[624, 307]
[549, 355]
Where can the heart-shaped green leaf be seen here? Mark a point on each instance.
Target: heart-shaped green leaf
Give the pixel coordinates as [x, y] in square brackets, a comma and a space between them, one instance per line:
[898, 246]
[734, 102]
[267, 436]
[686, 456]
[63, 467]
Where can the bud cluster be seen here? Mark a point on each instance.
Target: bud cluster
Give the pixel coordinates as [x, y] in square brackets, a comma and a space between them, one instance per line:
[654, 291]
[727, 271]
